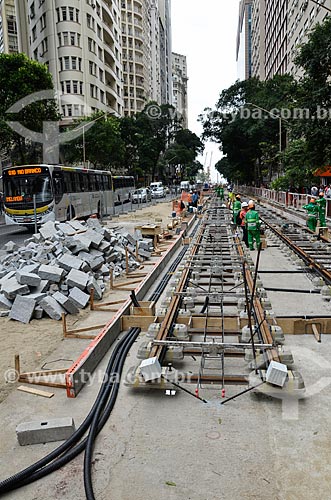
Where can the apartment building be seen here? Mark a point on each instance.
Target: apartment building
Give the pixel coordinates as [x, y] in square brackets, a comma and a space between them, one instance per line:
[8, 28]
[258, 39]
[179, 84]
[303, 15]
[81, 45]
[275, 37]
[244, 40]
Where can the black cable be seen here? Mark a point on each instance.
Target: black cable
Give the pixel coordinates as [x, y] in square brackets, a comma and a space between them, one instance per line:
[42, 467]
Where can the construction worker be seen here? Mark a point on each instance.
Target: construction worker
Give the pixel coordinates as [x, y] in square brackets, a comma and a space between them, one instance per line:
[236, 207]
[221, 192]
[242, 215]
[252, 222]
[313, 214]
[231, 199]
[321, 202]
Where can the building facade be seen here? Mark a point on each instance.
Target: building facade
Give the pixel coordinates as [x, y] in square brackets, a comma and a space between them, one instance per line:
[8, 28]
[279, 27]
[302, 16]
[179, 83]
[244, 40]
[258, 39]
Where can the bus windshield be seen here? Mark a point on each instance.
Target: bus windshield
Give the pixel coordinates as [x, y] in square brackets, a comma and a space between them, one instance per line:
[21, 188]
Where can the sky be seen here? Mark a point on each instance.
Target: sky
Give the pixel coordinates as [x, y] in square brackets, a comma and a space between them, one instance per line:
[205, 31]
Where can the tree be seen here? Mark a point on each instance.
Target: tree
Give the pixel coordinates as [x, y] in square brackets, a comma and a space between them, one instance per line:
[19, 78]
[315, 94]
[247, 135]
[104, 147]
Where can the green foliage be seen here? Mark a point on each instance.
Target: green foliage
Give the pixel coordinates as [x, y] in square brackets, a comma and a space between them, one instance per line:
[20, 77]
[104, 147]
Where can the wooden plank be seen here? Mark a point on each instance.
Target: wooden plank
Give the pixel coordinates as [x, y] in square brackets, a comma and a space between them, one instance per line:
[86, 329]
[316, 333]
[42, 382]
[142, 322]
[36, 392]
[42, 373]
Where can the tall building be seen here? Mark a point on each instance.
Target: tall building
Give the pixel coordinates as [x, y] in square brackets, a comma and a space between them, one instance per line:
[81, 46]
[179, 83]
[275, 38]
[135, 52]
[244, 40]
[8, 27]
[279, 27]
[302, 16]
[258, 39]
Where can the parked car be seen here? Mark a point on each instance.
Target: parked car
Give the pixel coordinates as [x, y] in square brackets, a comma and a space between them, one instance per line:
[158, 192]
[141, 195]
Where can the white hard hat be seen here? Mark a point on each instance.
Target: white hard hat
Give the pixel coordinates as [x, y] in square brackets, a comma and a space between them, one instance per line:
[251, 202]
[244, 204]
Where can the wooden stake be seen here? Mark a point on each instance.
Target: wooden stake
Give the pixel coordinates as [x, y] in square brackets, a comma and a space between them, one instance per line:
[126, 261]
[17, 364]
[92, 299]
[111, 274]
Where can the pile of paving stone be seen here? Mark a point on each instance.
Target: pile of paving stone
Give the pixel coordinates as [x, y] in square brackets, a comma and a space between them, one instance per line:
[54, 271]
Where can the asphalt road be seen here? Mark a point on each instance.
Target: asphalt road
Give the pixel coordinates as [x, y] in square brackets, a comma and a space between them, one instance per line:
[18, 233]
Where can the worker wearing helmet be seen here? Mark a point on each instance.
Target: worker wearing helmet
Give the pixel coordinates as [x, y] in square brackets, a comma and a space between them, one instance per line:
[252, 222]
[313, 212]
[321, 202]
[236, 207]
[242, 215]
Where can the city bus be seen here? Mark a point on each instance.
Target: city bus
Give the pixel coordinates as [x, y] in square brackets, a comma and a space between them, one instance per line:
[57, 192]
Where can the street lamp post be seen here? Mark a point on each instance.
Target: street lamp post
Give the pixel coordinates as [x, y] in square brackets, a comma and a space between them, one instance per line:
[280, 128]
[89, 125]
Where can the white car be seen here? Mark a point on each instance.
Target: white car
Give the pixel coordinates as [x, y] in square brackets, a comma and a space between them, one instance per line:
[141, 195]
[158, 192]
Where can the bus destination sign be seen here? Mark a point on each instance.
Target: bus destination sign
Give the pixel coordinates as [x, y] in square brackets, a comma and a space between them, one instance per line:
[25, 171]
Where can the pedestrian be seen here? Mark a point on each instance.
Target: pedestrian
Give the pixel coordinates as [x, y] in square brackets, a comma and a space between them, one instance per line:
[321, 203]
[236, 207]
[189, 199]
[195, 199]
[313, 214]
[252, 222]
[328, 191]
[242, 215]
[314, 191]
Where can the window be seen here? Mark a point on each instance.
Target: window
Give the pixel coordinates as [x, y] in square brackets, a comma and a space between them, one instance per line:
[43, 22]
[44, 46]
[71, 13]
[32, 11]
[64, 14]
[66, 65]
[34, 33]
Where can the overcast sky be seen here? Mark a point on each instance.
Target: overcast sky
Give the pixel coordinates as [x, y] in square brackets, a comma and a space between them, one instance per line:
[205, 31]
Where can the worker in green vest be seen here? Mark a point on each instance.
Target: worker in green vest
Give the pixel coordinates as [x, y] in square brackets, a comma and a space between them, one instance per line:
[321, 202]
[236, 208]
[313, 212]
[252, 221]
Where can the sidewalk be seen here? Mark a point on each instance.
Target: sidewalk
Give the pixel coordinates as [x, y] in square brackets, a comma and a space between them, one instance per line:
[2, 220]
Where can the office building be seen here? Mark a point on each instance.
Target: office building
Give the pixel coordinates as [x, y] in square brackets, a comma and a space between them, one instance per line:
[8, 27]
[179, 83]
[258, 39]
[244, 40]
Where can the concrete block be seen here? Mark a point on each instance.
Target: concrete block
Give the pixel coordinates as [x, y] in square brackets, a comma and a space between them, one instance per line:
[104, 246]
[65, 302]
[4, 302]
[79, 298]
[78, 226]
[52, 308]
[96, 263]
[22, 309]
[31, 268]
[150, 369]
[144, 253]
[130, 239]
[276, 373]
[92, 283]
[11, 288]
[138, 234]
[96, 238]
[96, 253]
[83, 242]
[51, 273]
[47, 230]
[77, 279]
[69, 262]
[38, 312]
[25, 278]
[65, 228]
[3, 314]
[94, 223]
[38, 296]
[7, 277]
[10, 247]
[45, 431]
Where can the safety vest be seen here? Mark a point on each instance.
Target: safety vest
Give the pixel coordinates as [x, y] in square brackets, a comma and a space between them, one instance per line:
[312, 209]
[252, 220]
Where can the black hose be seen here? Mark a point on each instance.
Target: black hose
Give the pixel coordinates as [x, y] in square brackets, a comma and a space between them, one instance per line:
[205, 305]
[42, 467]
